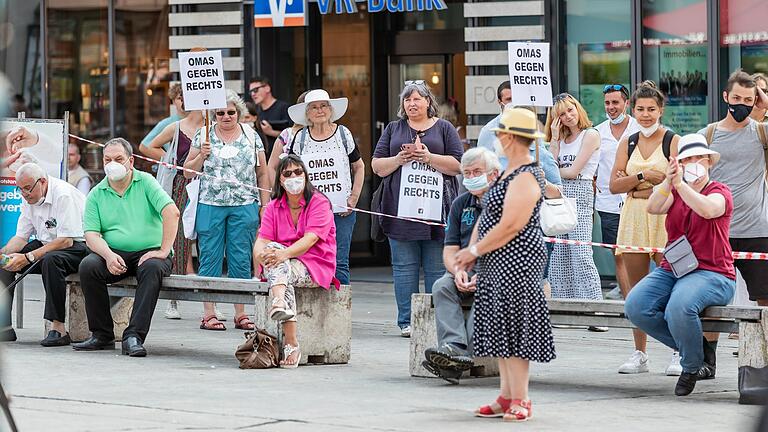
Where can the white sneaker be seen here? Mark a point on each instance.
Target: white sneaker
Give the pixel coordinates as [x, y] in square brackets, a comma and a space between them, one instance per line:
[674, 368]
[637, 363]
[172, 312]
[614, 294]
[405, 331]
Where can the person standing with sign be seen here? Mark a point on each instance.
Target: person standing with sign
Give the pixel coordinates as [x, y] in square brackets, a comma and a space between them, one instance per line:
[575, 144]
[330, 154]
[230, 158]
[418, 158]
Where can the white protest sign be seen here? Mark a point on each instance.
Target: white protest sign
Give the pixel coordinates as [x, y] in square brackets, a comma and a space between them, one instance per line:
[421, 192]
[202, 80]
[529, 75]
[324, 171]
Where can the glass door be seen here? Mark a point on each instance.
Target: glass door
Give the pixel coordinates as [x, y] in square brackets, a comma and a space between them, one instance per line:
[430, 69]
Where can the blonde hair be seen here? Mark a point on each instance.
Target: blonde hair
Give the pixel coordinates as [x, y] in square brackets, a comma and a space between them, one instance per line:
[560, 105]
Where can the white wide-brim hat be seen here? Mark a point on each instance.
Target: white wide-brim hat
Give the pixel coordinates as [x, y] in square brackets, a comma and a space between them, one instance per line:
[298, 112]
[696, 145]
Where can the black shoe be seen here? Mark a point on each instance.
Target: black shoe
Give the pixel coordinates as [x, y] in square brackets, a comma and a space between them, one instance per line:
[94, 344]
[449, 357]
[686, 383]
[709, 367]
[450, 375]
[8, 334]
[132, 347]
[55, 339]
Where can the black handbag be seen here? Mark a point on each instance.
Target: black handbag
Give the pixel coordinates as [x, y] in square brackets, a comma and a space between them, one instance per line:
[753, 385]
[377, 233]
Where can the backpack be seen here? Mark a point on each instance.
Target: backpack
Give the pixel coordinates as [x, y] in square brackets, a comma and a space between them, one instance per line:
[666, 143]
[305, 132]
[762, 135]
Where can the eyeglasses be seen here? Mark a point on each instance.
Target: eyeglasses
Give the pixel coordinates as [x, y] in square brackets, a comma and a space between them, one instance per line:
[230, 113]
[256, 89]
[561, 96]
[615, 87]
[292, 173]
[320, 107]
[416, 82]
[28, 191]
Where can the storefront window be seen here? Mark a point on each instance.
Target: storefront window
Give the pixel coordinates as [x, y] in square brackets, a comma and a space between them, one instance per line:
[78, 66]
[142, 66]
[598, 34]
[675, 57]
[743, 38]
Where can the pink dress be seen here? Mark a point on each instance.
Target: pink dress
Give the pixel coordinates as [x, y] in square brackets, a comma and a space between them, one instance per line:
[317, 218]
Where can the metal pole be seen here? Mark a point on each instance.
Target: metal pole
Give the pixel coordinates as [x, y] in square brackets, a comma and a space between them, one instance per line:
[112, 68]
[636, 45]
[713, 48]
[44, 64]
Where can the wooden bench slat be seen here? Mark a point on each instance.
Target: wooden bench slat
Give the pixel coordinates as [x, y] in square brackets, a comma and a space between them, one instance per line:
[742, 313]
[198, 283]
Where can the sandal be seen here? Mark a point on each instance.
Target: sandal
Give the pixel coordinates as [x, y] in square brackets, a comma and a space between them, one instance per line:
[518, 411]
[487, 411]
[280, 311]
[244, 323]
[210, 322]
[288, 350]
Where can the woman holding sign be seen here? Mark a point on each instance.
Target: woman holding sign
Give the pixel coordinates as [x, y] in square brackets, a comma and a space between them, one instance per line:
[418, 158]
[330, 154]
[231, 158]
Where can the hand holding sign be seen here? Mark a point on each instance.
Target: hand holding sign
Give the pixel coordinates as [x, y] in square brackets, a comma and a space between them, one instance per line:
[205, 149]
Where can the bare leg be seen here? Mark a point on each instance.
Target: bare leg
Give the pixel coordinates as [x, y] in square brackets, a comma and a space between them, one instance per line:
[58, 326]
[517, 371]
[621, 272]
[547, 289]
[636, 266]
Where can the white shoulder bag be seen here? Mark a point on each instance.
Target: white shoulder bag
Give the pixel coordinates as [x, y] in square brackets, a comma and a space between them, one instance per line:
[165, 175]
[558, 215]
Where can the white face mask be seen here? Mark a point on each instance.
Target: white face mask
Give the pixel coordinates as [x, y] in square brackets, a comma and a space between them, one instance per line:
[115, 171]
[294, 185]
[617, 120]
[648, 131]
[39, 202]
[498, 147]
[693, 171]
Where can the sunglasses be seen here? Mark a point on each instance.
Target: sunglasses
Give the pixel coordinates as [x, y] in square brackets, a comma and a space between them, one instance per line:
[560, 97]
[229, 113]
[291, 173]
[415, 82]
[256, 89]
[615, 87]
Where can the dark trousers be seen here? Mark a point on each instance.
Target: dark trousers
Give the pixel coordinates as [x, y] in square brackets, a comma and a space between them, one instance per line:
[94, 277]
[54, 267]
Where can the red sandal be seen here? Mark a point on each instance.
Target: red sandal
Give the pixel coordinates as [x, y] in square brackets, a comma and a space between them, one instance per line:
[487, 411]
[247, 325]
[515, 411]
[205, 323]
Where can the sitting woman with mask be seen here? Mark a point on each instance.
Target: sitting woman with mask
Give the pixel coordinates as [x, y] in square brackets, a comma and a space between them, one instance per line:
[697, 270]
[296, 247]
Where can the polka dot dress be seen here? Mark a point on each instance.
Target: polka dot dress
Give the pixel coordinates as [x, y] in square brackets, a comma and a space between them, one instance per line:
[511, 315]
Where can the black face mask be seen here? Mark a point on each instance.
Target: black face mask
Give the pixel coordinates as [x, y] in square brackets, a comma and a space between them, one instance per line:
[740, 112]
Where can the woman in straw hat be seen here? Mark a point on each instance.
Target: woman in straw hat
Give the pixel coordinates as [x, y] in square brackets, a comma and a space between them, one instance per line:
[697, 270]
[511, 315]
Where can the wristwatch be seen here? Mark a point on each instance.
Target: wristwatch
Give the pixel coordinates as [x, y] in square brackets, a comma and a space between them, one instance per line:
[640, 176]
[30, 257]
[473, 251]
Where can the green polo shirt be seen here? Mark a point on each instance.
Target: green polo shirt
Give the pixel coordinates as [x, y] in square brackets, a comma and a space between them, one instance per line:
[131, 222]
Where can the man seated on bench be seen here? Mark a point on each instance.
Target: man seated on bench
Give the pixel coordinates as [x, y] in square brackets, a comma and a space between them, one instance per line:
[453, 354]
[296, 247]
[697, 271]
[52, 211]
[130, 225]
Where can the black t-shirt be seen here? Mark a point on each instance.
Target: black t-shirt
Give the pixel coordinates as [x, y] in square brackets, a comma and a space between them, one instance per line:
[277, 117]
[465, 210]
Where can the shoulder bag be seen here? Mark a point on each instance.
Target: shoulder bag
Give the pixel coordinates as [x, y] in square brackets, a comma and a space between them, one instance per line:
[259, 351]
[165, 175]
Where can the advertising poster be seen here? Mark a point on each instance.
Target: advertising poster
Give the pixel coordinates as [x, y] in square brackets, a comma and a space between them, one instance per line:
[683, 78]
[600, 64]
[27, 140]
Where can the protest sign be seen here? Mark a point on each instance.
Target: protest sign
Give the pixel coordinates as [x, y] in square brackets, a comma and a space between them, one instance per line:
[202, 80]
[324, 173]
[421, 192]
[529, 74]
[43, 142]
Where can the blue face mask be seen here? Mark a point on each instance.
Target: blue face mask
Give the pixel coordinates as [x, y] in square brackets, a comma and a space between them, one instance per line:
[475, 184]
[617, 120]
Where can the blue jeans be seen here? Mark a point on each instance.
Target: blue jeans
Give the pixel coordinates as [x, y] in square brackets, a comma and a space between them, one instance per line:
[344, 228]
[408, 257]
[230, 228]
[668, 308]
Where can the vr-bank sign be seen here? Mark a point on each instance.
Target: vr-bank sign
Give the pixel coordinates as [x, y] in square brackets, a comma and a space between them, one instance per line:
[202, 80]
[529, 76]
[287, 13]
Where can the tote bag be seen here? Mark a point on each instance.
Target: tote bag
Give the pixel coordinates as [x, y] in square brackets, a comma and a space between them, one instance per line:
[189, 216]
[165, 175]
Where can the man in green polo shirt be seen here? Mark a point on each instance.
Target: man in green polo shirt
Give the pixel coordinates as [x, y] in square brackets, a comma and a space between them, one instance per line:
[130, 224]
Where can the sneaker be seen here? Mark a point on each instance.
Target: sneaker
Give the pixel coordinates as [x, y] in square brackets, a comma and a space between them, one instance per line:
[452, 376]
[172, 312]
[449, 357]
[614, 294]
[674, 368]
[637, 363]
[709, 367]
[405, 331]
[597, 329]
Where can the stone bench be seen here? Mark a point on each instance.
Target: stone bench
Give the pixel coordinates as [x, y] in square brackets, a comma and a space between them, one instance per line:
[325, 317]
[750, 322]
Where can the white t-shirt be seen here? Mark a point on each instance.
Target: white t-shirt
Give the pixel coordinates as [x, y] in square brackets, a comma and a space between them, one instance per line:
[605, 201]
[569, 152]
[60, 214]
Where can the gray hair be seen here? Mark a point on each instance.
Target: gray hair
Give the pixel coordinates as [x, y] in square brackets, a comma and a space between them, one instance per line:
[330, 118]
[489, 158]
[237, 101]
[422, 90]
[31, 169]
[127, 147]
